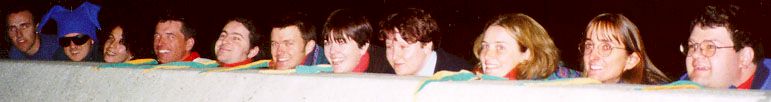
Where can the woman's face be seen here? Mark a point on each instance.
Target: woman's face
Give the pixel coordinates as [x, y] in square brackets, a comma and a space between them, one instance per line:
[500, 52]
[604, 56]
[344, 55]
[114, 50]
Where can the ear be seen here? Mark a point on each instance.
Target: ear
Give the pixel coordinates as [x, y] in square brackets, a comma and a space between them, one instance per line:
[253, 52]
[364, 48]
[428, 47]
[746, 55]
[190, 42]
[309, 46]
[632, 61]
[527, 55]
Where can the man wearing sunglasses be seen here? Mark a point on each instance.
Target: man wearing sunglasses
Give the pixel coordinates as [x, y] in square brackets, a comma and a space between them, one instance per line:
[722, 53]
[76, 30]
[27, 44]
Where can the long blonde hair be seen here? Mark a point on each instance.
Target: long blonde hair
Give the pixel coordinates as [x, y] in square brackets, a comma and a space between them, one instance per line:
[530, 35]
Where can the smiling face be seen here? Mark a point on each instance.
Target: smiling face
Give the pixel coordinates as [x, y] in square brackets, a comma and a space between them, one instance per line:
[114, 50]
[77, 52]
[406, 58]
[233, 44]
[720, 70]
[169, 43]
[21, 30]
[604, 58]
[343, 55]
[287, 47]
[500, 52]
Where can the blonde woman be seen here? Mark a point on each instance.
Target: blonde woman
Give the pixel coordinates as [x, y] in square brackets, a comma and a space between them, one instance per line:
[516, 47]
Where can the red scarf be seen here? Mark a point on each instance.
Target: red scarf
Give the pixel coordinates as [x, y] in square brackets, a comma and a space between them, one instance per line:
[363, 63]
[747, 84]
[247, 61]
[192, 56]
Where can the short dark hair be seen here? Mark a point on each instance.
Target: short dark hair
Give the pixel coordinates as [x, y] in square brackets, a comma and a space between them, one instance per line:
[186, 29]
[254, 34]
[350, 23]
[21, 6]
[414, 24]
[298, 19]
[736, 22]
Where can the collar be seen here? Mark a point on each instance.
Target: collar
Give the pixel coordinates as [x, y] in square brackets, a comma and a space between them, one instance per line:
[247, 61]
[746, 84]
[512, 75]
[363, 63]
[191, 57]
[429, 65]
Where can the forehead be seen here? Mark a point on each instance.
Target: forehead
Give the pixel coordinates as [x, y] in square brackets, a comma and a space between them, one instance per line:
[286, 33]
[20, 16]
[718, 34]
[498, 34]
[117, 31]
[603, 33]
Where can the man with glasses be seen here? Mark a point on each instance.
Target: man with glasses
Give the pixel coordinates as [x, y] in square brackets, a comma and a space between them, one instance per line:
[76, 30]
[27, 44]
[722, 53]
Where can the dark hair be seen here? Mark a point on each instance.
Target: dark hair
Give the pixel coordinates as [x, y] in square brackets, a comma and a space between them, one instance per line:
[186, 29]
[414, 24]
[296, 19]
[21, 6]
[736, 22]
[349, 23]
[254, 34]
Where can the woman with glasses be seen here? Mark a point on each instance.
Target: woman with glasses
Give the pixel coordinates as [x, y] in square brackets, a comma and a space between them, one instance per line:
[516, 47]
[613, 52]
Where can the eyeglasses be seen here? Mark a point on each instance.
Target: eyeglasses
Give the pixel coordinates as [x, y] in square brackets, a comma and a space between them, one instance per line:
[604, 48]
[23, 26]
[78, 40]
[707, 48]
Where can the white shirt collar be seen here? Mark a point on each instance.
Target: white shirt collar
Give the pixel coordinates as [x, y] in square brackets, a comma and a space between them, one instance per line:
[429, 65]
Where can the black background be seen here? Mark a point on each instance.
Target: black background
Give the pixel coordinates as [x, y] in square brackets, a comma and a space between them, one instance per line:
[664, 24]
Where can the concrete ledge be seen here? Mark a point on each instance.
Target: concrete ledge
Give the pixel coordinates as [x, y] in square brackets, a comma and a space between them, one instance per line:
[76, 81]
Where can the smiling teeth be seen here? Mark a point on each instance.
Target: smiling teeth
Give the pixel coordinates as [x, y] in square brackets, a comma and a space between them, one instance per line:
[163, 51]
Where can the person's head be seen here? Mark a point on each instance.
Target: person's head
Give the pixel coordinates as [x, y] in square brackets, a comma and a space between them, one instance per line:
[516, 41]
[346, 39]
[21, 25]
[292, 37]
[721, 50]
[409, 36]
[76, 46]
[237, 41]
[173, 39]
[613, 51]
[115, 48]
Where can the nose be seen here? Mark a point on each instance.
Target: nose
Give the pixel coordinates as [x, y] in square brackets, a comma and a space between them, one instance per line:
[73, 46]
[488, 54]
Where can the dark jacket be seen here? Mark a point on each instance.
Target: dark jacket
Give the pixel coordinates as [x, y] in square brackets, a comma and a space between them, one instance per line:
[447, 61]
[378, 63]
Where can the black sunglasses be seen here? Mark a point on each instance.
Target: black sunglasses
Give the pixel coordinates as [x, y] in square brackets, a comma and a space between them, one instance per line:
[78, 40]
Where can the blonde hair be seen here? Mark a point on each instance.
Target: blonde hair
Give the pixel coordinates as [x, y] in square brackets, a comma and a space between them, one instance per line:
[627, 33]
[544, 57]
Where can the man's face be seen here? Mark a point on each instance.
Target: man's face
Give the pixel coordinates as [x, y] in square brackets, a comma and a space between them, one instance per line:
[719, 70]
[21, 30]
[287, 47]
[406, 58]
[233, 43]
[169, 43]
[343, 55]
[77, 52]
[114, 50]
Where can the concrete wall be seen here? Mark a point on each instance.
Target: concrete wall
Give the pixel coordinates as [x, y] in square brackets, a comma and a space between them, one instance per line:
[72, 81]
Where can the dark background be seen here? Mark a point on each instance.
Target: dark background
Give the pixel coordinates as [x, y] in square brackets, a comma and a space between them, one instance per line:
[664, 24]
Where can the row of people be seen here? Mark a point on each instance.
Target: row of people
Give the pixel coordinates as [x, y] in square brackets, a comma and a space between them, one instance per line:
[720, 52]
